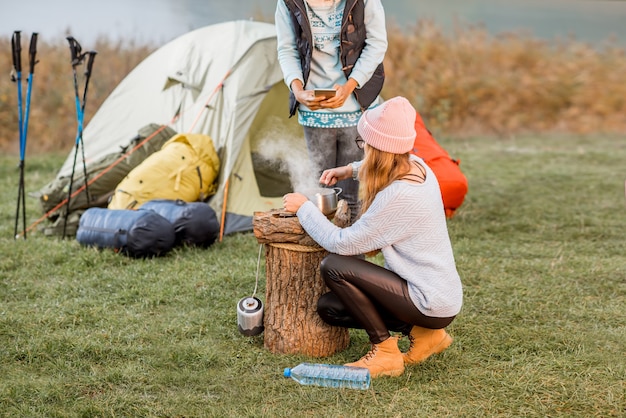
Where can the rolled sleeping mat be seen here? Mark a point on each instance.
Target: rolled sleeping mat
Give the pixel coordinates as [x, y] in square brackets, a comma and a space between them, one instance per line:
[136, 233]
[195, 223]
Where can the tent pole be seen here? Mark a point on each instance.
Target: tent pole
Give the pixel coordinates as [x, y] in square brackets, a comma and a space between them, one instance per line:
[223, 210]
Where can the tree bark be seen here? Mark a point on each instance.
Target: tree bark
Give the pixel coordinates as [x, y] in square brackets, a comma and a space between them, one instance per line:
[293, 286]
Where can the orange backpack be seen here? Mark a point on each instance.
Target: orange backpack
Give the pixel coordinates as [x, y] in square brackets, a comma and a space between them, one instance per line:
[452, 181]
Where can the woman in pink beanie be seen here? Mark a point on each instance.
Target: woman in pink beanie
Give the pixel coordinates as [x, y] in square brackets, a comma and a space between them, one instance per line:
[418, 292]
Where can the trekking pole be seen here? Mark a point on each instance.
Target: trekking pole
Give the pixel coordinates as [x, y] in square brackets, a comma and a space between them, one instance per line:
[16, 76]
[77, 58]
[32, 60]
[90, 59]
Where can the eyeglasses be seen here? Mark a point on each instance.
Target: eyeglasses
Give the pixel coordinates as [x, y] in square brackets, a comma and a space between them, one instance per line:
[360, 142]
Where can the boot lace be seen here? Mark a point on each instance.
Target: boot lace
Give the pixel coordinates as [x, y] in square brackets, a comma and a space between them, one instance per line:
[411, 342]
[370, 354]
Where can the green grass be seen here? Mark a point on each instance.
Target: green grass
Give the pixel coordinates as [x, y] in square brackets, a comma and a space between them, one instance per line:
[540, 243]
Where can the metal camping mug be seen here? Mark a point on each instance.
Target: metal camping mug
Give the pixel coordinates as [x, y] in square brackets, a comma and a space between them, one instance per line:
[325, 199]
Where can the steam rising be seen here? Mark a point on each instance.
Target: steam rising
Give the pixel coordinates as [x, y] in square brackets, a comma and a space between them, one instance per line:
[289, 152]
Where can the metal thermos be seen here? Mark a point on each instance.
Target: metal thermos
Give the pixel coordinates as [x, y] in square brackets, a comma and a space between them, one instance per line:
[250, 316]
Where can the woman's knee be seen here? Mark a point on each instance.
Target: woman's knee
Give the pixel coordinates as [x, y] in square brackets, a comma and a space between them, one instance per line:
[329, 265]
[333, 312]
[326, 306]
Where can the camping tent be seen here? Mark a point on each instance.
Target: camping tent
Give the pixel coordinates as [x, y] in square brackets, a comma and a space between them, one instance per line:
[223, 81]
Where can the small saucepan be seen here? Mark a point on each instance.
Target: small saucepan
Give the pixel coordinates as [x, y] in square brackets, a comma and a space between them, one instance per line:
[325, 199]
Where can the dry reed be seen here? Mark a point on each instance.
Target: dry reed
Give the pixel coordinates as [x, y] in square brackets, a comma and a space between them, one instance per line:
[472, 83]
[53, 123]
[467, 83]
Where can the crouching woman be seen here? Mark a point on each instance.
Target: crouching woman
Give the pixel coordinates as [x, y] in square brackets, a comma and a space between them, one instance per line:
[418, 292]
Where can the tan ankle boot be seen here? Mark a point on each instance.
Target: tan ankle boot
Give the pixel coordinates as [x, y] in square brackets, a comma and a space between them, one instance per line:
[384, 359]
[426, 342]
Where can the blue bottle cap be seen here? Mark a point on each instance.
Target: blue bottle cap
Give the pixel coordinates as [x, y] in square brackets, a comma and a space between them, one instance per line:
[287, 372]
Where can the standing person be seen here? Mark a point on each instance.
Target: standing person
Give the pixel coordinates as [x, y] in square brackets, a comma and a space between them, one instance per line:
[418, 291]
[337, 45]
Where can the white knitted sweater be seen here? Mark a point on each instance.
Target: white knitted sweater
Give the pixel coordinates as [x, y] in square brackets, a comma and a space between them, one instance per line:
[406, 221]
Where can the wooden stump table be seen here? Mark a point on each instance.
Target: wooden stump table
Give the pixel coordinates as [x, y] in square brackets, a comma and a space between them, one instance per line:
[293, 286]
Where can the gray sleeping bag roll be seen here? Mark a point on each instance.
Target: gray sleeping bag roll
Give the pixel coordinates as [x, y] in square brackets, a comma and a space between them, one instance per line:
[136, 233]
[195, 223]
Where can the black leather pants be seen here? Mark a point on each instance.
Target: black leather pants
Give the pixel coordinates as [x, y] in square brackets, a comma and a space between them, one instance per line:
[366, 296]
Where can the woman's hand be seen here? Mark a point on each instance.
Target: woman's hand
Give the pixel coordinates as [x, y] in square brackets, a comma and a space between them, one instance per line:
[313, 102]
[308, 98]
[342, 93]
[305, 97]
[293, 201]
[331, 176]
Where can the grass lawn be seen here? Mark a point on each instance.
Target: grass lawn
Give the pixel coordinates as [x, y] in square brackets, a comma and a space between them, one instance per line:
[540, 244]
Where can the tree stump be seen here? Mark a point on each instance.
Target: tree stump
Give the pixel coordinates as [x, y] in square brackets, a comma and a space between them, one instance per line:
[293, 286]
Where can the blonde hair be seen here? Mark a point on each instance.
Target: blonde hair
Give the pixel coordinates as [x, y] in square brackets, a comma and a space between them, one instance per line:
[379, 170]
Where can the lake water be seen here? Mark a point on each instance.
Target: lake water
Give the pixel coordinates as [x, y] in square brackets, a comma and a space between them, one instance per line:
[158, 21]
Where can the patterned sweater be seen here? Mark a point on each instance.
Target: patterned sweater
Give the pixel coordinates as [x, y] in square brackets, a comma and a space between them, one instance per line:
[326, 67]
[406, 221]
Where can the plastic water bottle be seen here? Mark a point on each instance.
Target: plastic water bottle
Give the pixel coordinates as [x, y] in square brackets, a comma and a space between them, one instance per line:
[330, 375]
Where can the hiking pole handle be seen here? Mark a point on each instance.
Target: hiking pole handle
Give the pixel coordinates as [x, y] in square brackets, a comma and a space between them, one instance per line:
[75, 50]
[32, 52]
[89, 67]
[16, 49]
[92, 57]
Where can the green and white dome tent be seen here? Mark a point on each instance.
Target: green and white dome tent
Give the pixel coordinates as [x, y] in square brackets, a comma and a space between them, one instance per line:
[222, 81]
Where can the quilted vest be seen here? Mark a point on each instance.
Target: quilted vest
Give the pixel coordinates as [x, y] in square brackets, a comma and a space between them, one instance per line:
[352, 43]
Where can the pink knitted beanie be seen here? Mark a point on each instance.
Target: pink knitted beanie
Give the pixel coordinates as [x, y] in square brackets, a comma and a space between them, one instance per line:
[389, 127]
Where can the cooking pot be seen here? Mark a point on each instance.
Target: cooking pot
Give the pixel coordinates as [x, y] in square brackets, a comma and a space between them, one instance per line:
[324, 198]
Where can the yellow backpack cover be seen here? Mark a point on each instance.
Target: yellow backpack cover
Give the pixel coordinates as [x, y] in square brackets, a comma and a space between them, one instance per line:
[185, 168]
